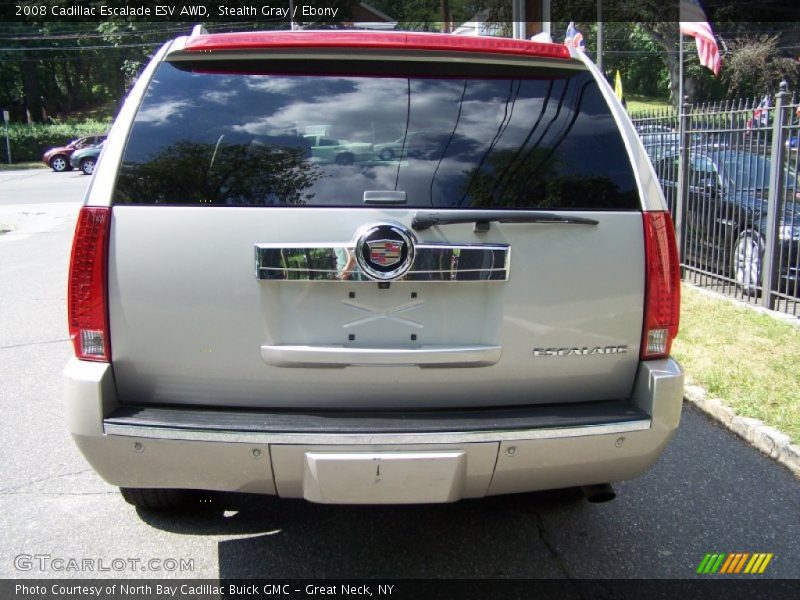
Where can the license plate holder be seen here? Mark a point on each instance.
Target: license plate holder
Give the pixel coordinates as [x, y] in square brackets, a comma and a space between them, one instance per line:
[384, 477]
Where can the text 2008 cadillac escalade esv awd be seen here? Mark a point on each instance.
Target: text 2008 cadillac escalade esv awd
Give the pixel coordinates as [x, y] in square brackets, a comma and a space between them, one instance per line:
[263, 299]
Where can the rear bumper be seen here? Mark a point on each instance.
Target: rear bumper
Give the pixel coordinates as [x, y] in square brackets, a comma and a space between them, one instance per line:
[382, 460]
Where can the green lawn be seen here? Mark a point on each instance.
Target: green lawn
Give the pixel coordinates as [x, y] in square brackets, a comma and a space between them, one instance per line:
[22, 165]
[644, 103]
[749, 360]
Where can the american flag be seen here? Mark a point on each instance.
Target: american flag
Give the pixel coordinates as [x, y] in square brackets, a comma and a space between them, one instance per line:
[695, 23]
[761, 113]
[574, 38]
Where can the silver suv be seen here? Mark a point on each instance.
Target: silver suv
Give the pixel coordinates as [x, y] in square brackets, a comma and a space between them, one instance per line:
[487, 309]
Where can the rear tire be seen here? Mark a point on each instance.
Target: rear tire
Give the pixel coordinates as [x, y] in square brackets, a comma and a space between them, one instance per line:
[345, 159]
[155, 498]
[747, 261]
[59, 163]
[87, 166]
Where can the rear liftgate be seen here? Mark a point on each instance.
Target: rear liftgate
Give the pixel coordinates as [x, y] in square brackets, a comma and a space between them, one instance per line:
[381, 253]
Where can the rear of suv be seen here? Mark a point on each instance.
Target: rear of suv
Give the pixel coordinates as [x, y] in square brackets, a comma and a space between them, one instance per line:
[487, 309]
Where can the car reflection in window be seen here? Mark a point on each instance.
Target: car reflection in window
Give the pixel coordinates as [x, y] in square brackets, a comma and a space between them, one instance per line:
[341, 152]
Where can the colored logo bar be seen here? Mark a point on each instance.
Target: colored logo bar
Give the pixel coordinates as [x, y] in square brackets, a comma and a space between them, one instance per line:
[734, 563]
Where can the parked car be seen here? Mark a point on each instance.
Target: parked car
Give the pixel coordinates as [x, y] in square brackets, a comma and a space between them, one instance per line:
[727, 214]
[341, 152]
[58, 158]
[85, 159]
[246, 318]
[391, 150]
[661, 142]
[657, 135]
[422, 145]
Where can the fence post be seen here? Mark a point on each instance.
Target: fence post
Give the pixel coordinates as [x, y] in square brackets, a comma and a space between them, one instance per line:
[682, 197]
[770, 274]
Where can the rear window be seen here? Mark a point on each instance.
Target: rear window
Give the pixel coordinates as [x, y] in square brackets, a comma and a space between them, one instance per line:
[496, 139]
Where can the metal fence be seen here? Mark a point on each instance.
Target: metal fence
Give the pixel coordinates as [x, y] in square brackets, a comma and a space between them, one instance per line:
[729, 173]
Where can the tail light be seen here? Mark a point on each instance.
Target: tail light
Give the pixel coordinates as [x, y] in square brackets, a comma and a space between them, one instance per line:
[662, 286]
[87, 304]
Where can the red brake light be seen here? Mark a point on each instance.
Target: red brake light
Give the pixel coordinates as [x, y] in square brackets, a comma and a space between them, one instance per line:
[87, 305]
[373, 40]
[662, 286]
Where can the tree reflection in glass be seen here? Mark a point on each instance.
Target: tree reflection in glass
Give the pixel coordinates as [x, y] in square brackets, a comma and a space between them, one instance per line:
[190, 172]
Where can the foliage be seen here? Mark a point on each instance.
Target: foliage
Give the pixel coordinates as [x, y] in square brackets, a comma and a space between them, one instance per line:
[628, 47]
[29, 142]
[50, 69]
[755, 67]
[201, 173]
[502, 183]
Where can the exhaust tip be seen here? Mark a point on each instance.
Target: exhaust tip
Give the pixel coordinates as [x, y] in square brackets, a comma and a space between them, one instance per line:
[601, 492]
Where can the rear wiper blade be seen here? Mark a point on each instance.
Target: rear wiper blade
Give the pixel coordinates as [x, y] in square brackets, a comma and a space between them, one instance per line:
[426, 219]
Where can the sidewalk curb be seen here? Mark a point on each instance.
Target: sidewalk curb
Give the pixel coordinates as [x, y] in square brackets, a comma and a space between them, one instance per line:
[764, 438]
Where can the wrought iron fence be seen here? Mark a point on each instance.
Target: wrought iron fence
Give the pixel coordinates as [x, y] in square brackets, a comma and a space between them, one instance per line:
[729, 172]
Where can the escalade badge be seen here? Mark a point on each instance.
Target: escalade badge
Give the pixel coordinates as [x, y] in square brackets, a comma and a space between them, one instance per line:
[384, 251]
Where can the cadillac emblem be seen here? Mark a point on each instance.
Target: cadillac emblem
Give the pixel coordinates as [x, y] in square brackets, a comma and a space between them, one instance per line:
[384, 251]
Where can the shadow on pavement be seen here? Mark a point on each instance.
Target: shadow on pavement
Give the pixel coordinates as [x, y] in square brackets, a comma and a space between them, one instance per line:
[492, 537]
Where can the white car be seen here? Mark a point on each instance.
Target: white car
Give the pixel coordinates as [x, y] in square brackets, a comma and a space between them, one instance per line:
[341, 152]
[493, 317]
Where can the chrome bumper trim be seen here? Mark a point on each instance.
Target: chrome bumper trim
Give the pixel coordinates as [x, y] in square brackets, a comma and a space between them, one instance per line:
[169, 433]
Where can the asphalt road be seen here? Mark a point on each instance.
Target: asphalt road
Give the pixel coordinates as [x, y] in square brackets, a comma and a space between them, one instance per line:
[37, 186]
[710, 492]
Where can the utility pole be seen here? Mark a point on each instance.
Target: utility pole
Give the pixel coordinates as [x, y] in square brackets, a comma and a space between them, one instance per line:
[446, 18]
[6, 118]
[518, 19]
[600, 35]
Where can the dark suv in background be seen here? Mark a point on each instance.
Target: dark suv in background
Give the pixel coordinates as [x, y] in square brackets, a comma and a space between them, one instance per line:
[727, 214]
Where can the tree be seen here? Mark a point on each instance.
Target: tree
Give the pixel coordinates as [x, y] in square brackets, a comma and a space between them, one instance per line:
[755, 66]
[189, 172]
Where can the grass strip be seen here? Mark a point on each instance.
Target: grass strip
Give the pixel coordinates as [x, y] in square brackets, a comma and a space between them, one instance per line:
[747, 359]
[22, 165]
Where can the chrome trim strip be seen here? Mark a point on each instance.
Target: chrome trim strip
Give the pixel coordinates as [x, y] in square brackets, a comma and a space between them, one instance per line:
[167, 433]
[432, 262]
[343, 356]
